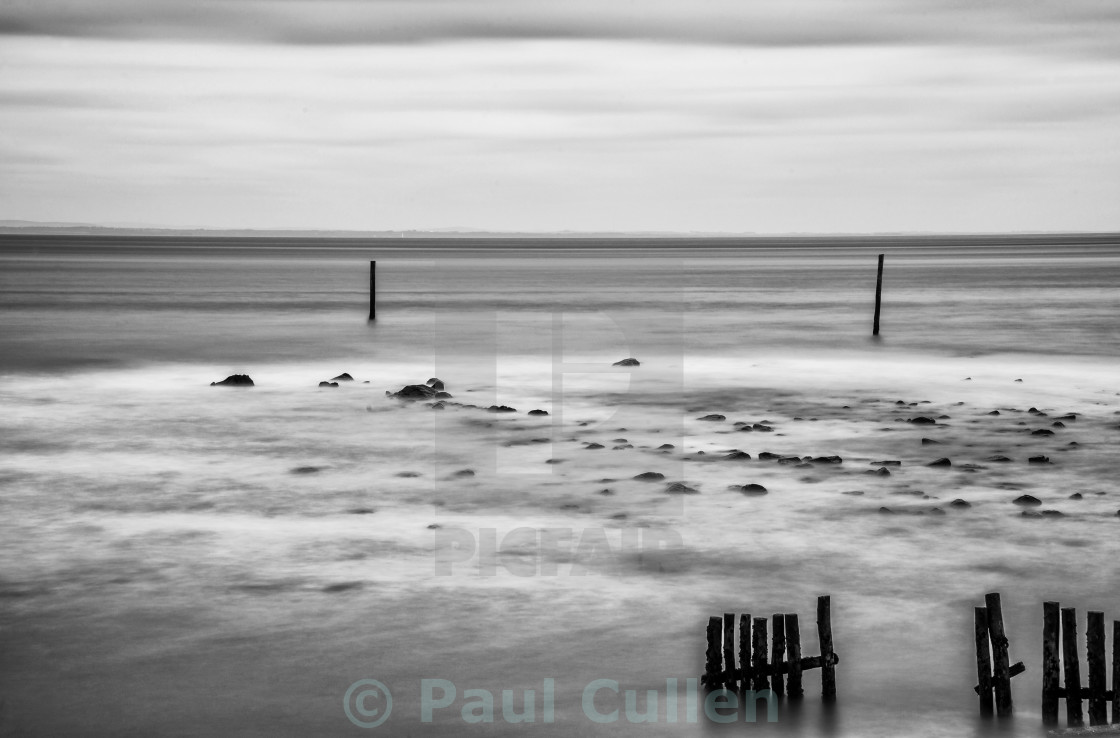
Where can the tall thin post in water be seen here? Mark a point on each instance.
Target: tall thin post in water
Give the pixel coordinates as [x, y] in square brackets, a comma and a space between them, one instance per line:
[373, 290]
[1001, 669]
[983, 661]
[1094, 652]
[1072, 668]
[878, 296]
[1051, 662]
[793, 650]
[824, 632]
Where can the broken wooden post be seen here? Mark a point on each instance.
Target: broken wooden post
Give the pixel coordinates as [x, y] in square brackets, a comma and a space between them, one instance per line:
[745, 651]
[1051, 662]
[777, 650]
[1094, 651]
[712, 665]
[878, 296]
[1115, 672]
[373, 290]
[1001, 668]
[729, 680]
[793, 651]
[1072, 668]
[983, 661]
[758, 658]
[824, 633]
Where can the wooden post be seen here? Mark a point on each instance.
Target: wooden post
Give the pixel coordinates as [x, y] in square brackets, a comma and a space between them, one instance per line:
[1115, 672]
[745, 651]
[712, 670]
[1051, 662]
[824, 633]
[1001, 669]
[758, 660]
[729, 679]
[1074, 717]
[373, 290]
[777, 650]
[1094, 651]
[983, 661]
[878, 296]
[793, 654]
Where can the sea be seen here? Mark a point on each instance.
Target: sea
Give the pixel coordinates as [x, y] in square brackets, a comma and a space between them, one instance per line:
[297, 558]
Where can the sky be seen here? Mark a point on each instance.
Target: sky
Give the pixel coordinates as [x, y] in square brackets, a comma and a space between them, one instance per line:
[753, 116]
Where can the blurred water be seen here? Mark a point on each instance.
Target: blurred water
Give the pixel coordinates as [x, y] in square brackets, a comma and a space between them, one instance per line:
[172, 565]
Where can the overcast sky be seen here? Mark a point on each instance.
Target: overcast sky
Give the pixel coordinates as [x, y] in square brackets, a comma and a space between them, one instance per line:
[684, 115]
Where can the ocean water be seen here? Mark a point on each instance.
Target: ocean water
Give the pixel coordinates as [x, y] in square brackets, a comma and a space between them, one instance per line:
[181, 559]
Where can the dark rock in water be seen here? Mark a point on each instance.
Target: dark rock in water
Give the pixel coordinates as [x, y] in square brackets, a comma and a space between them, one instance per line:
[414, 392]
[855, 492]
[998, 459]
[1018, 380]
[328, 384]
[940, 462]
[738, 456]
[445, 396]
[1076, 496]
[1052, 514]
[960, 503]
[1057, 424]
[361, 511]
[900, 402]
[234, 380]
[342, 587]
[344, 377]
[789, 460]
[880, 472]
[922, 420]
[650, 477]
[930, 442]
[593, 446]
[886, 463]
[886, 511]
[1073, 443]
[307, 469]
[680, 488]
[627, 362]
[434, 526]
[994, 412]
[464, 473]
[1042, 432]
[1038, 460]
[937, 511]
[1067, 418]
[437, 405]
[407, 474]
[768, 455]
[619, 516]
[538, 412]
[665, 447]
[1118, 513]
[1036, 412]
[944, 417]
[435, 384]
[762, 428]
[828, 460]
[606, 491]
[622, 447]
[503, 409]
[1028, 501]
[749, 489]
[715, 417]
[554, 461]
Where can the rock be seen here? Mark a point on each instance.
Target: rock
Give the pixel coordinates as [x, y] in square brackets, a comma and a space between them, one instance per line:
[1067, 418]
[680, 488]
[886, 511]
[593, 446]
[234, 380]
[940, 462]
[622, 447]
[829, 460]
[1018, 380]
[328, 384]
[789, 460]
[1038, 460]
[768, 455]
[344, 377]
[414, 392]
[538, 412]
[1053, 514]
[606, 491]
[650, 477]
[666, 447]
[854, 492]
[880, 472]
[503, 409]
[715, 417]
[886, 463]
[1042, 432]
[959, 503]
[361, 511]
[307, 469]
[922, 420]
[997, 459]
[1076, 496]
[447, 396]
[749, 489]
[1057, 424]
[994, 412]
[627, 362]
[437, 405]
[464, 473]
[435, 384]
[1028, 501]
[930, 442]
[738, 456]
[434, 526]
[407, 474]
[1118, 513]
[937, 511]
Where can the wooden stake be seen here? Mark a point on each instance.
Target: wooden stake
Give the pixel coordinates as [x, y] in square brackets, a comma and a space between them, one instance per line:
[777, 651]
[758, 659]
[983, 661]
[373, 290]
[712, 670]
[1094, 651]
[793, 655]
[878, 296]
[1001, 669]
[1115, 672]
[824, 632]
[1072, 668]
[745, 651]
[729, 679]
[1051, 662]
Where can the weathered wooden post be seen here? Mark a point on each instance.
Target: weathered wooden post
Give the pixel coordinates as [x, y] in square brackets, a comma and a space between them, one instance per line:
[824, 632]
[1051, 662]
[1072, 668]
[1115, 671]
[793, 651]
[759, 668]
[983, 661]
[1094, 651]
[878, 296]
[712, 670]
[729, 679]
[373, 290]
[1001, 668]
[777, 651]
[745, 651]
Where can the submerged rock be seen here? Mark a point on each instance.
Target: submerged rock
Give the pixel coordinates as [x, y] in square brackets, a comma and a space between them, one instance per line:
[960, 503]
[234, 380]
[922, 420]
[538, 412]
[749, 489]
[435, 384]
[414, 392]
[328, 384]
[593, 446]
[940, 462]
[344, 377]
[930, 442]
[680, 488]
[650, 477]
[738, 456]
[714, 417]
[627, 362]
[828, 460]
[1038, 460]
[1027, 501]
[886, 463]
[998, 459]
[1042, 432]
[501, 409]
[880, 472]
[307, 469]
